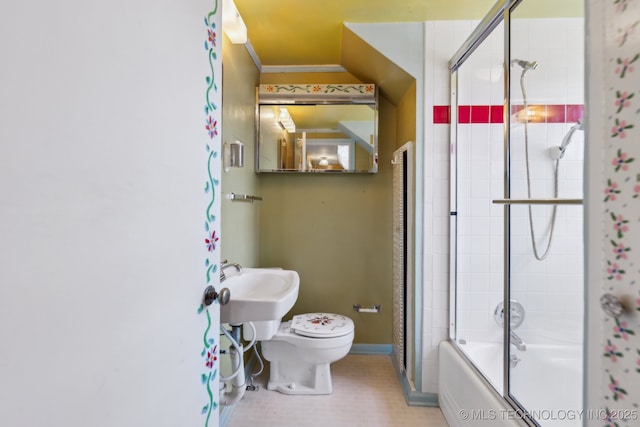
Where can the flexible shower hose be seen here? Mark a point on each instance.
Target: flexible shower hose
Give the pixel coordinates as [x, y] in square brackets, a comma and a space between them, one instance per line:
[555, 184]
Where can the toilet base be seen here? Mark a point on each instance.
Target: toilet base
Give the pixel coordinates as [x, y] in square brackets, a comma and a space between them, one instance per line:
[316, 379]
[301, 364]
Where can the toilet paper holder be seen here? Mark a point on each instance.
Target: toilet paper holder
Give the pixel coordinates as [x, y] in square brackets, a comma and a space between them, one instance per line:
[375, 308]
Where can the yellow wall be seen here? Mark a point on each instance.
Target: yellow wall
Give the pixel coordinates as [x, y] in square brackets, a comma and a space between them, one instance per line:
[407, 117]
[321, 78]
[240, 220]
[335, 230]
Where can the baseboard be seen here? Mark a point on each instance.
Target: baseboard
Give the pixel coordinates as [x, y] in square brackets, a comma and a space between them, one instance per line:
[371, 349]
[411, 396]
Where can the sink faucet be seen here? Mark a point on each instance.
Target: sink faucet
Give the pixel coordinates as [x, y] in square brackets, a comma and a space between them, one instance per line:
[517, 341]
[224, 265]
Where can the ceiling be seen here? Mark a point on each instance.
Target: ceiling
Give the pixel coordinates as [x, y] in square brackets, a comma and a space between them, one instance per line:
[287, 35]
[307, 32]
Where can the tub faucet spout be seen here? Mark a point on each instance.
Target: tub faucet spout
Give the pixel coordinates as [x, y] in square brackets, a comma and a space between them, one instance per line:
[224, 265]
[517, 341]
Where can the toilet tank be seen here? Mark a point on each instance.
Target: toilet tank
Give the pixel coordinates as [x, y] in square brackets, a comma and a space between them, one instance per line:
[264, 330]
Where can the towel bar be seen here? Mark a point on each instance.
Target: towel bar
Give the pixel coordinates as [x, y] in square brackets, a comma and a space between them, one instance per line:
[243, 197]
[538, 201]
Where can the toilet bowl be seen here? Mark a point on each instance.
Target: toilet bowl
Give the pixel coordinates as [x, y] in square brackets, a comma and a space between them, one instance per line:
[302, 349]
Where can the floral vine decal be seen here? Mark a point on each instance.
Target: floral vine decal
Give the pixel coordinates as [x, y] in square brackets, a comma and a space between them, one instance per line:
[625, 65]
[621, 330]
[618, 392]
[620, 129]
[354, 89]
[611, 190]
[611, 351]
[620, 250]
[614, 271]
[621, 212]
[212, 127]
[210, 351]
[610, 419]
[210, 356]
[622, 100]
[621, 161]
[619, 224]
[213, 240]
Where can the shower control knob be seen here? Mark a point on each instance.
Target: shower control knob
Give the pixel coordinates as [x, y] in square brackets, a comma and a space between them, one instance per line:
[611, 305]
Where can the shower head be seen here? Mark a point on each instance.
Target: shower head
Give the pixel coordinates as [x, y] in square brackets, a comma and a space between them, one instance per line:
[526, 65]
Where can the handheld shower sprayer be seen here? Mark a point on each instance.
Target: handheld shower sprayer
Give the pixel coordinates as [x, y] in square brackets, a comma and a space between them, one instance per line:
[558, 152]
[526, 65]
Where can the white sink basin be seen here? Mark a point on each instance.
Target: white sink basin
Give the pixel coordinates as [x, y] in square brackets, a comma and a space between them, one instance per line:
[259, 294]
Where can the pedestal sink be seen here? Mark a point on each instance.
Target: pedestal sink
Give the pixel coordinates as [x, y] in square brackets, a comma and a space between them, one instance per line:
[259, 294]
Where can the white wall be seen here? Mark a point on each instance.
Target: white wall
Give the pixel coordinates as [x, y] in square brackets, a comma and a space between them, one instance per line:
[442, 40]
[102, 170]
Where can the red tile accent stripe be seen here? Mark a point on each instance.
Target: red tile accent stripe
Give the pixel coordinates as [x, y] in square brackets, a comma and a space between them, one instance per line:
[474, 114]
[441, 114]
[496, 114]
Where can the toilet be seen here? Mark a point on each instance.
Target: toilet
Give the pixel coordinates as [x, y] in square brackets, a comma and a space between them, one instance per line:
[301, 350]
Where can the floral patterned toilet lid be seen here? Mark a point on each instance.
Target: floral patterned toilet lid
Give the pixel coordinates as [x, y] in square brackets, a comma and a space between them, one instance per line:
[321, 325]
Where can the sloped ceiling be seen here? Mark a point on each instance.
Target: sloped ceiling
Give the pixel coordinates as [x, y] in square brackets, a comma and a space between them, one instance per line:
[305, 32]
[370, 66]
[308, 32]
[297, 33]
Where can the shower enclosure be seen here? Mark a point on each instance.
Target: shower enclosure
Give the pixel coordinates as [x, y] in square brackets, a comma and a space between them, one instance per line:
[517, 97]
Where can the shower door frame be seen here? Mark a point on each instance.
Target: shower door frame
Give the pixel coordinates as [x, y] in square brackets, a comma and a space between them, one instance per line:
[499, 13]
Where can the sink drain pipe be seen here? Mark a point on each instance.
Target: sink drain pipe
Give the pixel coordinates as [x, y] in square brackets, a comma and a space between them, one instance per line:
[237, 379]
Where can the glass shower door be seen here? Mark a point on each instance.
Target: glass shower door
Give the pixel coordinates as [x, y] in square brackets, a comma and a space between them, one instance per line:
[478, 177]
[545, 242]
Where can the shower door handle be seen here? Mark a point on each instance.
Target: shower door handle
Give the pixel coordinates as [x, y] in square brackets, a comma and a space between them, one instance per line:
[612, 306]
[537, 201]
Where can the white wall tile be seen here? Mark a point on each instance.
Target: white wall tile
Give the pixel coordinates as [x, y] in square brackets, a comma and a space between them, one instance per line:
[480, 175]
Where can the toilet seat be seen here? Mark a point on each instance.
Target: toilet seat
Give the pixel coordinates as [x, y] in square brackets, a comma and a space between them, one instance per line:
[321, 325]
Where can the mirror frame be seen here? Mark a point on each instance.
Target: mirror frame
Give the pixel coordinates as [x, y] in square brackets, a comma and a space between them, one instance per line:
[317, 94]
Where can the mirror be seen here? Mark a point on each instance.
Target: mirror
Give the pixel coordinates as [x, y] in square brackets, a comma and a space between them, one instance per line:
[314, 128]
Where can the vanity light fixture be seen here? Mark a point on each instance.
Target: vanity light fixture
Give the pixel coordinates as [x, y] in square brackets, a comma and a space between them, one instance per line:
[232, 23]
[285, 120]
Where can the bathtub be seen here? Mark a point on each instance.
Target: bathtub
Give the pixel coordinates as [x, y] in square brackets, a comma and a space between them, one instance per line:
[547, 381]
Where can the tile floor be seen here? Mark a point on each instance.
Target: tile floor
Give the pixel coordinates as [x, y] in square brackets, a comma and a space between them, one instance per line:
[366, 392]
